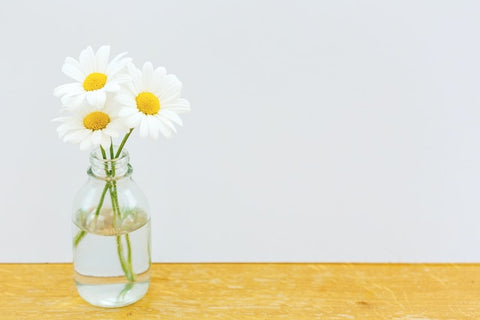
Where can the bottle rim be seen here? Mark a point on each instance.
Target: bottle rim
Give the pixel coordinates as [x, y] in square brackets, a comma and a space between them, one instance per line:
[109, 169]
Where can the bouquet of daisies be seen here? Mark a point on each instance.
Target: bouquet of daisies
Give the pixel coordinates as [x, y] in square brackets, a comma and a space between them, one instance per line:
[109, 99]
[113, 97]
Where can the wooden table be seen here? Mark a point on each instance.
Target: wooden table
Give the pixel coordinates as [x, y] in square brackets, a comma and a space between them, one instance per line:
[256, 291]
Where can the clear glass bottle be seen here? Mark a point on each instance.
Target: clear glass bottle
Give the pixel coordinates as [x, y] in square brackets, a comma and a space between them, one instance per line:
[111, 235]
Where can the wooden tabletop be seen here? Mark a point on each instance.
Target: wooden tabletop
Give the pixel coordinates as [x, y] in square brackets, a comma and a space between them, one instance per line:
[256, 291]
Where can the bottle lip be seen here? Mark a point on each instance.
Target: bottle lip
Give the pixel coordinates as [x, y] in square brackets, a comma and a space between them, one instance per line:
[97, 156]
[102, 168]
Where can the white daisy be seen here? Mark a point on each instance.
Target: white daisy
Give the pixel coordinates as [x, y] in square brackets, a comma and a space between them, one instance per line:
[90, 126]
[95, 75]
[152, 102]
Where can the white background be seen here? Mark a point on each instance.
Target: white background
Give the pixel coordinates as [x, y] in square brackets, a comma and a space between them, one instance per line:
[319, 131]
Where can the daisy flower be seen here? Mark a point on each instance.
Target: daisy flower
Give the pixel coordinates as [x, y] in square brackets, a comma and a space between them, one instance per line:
[90, 126]
[95, 76]
[152, 101]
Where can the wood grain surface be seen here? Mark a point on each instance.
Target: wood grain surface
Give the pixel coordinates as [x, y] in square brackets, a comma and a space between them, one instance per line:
[256, 291]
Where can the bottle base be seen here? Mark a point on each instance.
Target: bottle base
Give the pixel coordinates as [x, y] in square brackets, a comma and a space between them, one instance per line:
[113, 295]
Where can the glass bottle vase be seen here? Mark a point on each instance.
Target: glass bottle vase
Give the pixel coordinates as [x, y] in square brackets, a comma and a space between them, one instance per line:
[111, 235]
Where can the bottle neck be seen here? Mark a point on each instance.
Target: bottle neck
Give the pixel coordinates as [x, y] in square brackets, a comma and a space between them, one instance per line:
[109, 169]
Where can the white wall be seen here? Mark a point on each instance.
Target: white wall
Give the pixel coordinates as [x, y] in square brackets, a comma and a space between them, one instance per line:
[319, 131]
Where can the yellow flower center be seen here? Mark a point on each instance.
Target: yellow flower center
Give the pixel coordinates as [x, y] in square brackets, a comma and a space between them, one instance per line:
[147, 103]
[96, 120]
[94, 81]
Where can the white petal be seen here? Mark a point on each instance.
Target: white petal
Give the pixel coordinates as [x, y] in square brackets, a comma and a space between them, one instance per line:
[170, 89]
[87, 60]
[144, 128]
[158, 79]
[138, 86]
[153, 127]
[110, 131]
[86, 143]
[171, 95]
[168, 124]
[112, 86]
[117, 64]
[129, 87]
[72, 69]
[127, 111]
[134, 120]
[133, 71]
[74, 101]
[76, 136]
[120, 57]
[159, 74]
[60, 119]
[147, 75]
[170, 115]
[166, 131]
[126, 100]
[178, 106]
[102, 56]
[96, 137]
[68, 89]
[115, 127]
[115, 68]
[63, 129]
[97, 98]
[121, 78]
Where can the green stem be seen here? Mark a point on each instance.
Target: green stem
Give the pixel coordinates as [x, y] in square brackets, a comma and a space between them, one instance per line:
[112, 157]
[102, 198]
[104, 155]
[78, 237]
[115, 209]
[81, 234]
[113, 172]
[127, 266]
[129, 250]
[120, 148]
[114, 195]
[127, 237]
